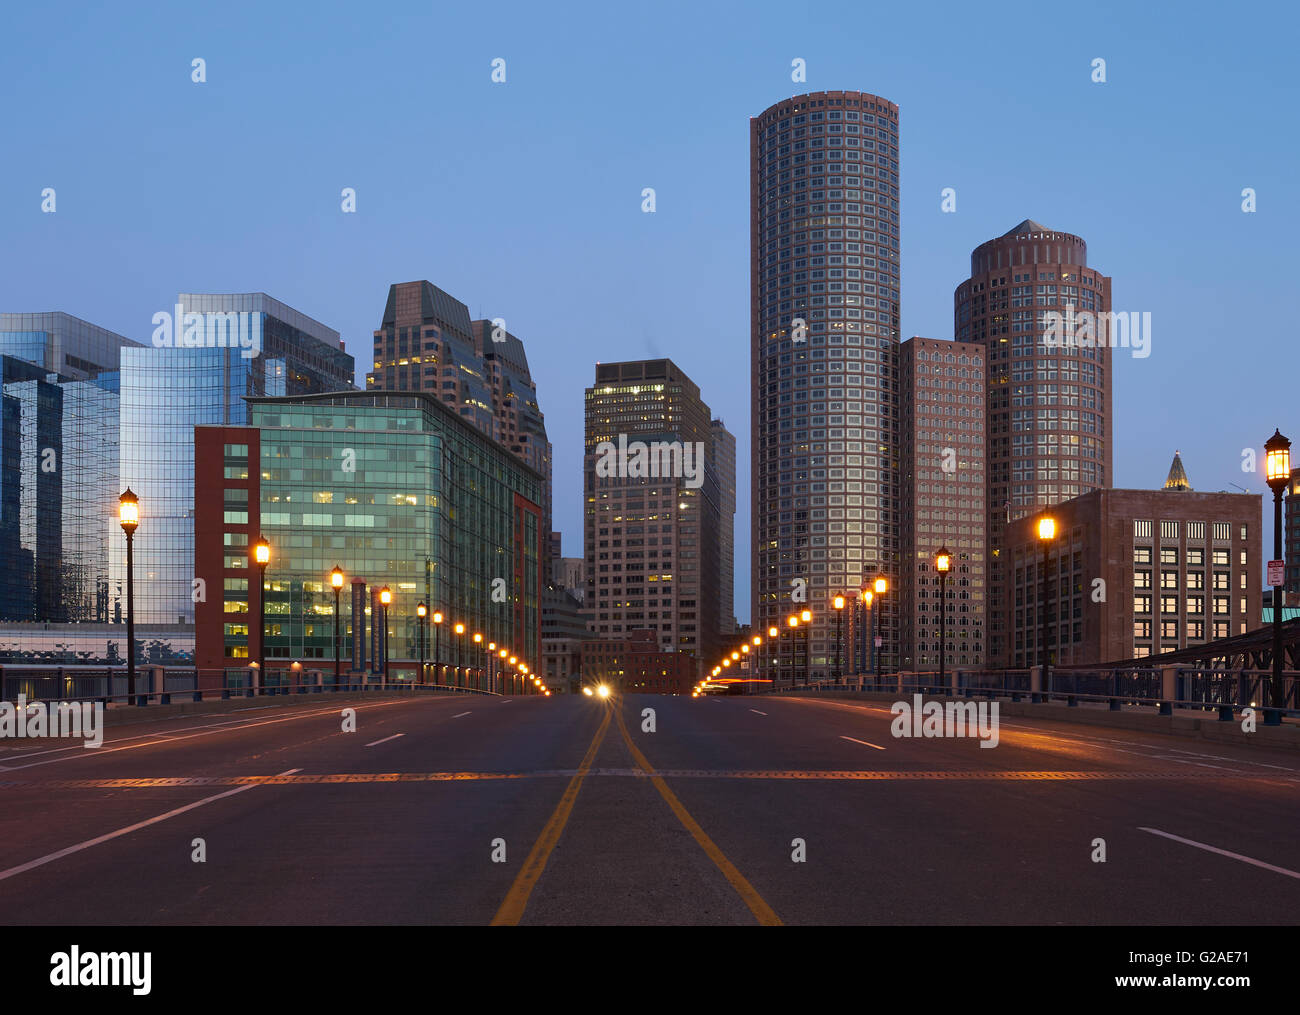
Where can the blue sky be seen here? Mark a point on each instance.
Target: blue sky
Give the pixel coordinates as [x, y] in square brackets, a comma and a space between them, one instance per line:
[523, 199]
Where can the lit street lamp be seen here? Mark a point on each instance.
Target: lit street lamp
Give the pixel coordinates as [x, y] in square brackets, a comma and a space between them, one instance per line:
[867, 597]
[1277, 459]
[1046, 533]
[880, 587]
[806, 618]
[128, 513]
[774, 652]
[460, 630]
[261, 557]
[478, 680]
[437, 646]
[385, 600]
[838, 604]
[942, 562]
[422, 612]
[336, 580]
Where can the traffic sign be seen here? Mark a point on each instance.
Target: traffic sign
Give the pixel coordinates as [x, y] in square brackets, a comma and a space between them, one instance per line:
[1275, 569]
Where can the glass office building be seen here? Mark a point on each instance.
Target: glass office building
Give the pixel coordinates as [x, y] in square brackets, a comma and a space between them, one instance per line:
[209, 353]
[394, 488]
[61, 344]
[59, 448]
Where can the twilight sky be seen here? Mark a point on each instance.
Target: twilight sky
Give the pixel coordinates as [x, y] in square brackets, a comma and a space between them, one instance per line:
[523, 198]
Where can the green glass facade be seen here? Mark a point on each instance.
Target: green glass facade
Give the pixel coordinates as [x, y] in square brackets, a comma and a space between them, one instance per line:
[397, 491]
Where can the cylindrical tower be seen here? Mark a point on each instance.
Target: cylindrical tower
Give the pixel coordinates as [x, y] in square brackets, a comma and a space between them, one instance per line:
[1044, 318]
[824, 317]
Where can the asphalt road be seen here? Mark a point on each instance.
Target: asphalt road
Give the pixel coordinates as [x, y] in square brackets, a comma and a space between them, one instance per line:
[598, 822]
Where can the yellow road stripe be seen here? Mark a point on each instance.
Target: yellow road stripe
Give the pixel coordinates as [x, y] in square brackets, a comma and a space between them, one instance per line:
[516, 900]
[764, 913]
[886, 775]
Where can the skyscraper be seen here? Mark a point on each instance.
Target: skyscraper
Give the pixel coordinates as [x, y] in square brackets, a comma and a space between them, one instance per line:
[427, 342]
[824, 309]
[59, 475]
[166, 390]
[942, 501]
[651, 519]
[517, 420]
[1029, 295]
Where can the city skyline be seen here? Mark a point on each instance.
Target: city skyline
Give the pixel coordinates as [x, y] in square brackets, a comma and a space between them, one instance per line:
[1141, 217]
[687, 465]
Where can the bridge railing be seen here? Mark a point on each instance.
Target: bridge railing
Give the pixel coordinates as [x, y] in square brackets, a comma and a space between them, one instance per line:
[167, 684]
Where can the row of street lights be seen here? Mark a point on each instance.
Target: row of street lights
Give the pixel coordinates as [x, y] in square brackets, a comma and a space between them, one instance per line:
[1278, 474]
[499, 657]
[794, 622]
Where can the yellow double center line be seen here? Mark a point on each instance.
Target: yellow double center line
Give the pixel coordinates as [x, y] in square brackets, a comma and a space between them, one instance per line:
[764, 913]
[516, 900]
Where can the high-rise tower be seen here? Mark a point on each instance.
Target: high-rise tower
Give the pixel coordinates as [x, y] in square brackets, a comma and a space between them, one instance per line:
[824, 313]
[651, 533]
[1044, 317]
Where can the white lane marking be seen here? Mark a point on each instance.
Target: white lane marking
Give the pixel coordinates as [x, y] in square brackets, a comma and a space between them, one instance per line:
[864, 743]
[506, 701]
[756, 710]
[60, 854]
[376, 743]
[158, 738]
[458, 716]
[1222, 852]
[1074, 739]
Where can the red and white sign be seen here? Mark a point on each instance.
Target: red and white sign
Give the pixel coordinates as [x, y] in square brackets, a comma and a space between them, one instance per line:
[1275, 569]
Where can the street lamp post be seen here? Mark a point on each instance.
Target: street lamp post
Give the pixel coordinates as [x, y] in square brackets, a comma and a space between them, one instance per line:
[385, 600]
[838, 604]
[806, 618]
[774, 650]
[128, 513]
[478, 679]
[422, 612]
[336, 580]
[881, 587]
[1046, 533]
[437, 646]
[792, 622]
[261, 557]
[942, 562]
[869, 661]
[460, 631]
[1277, 452]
